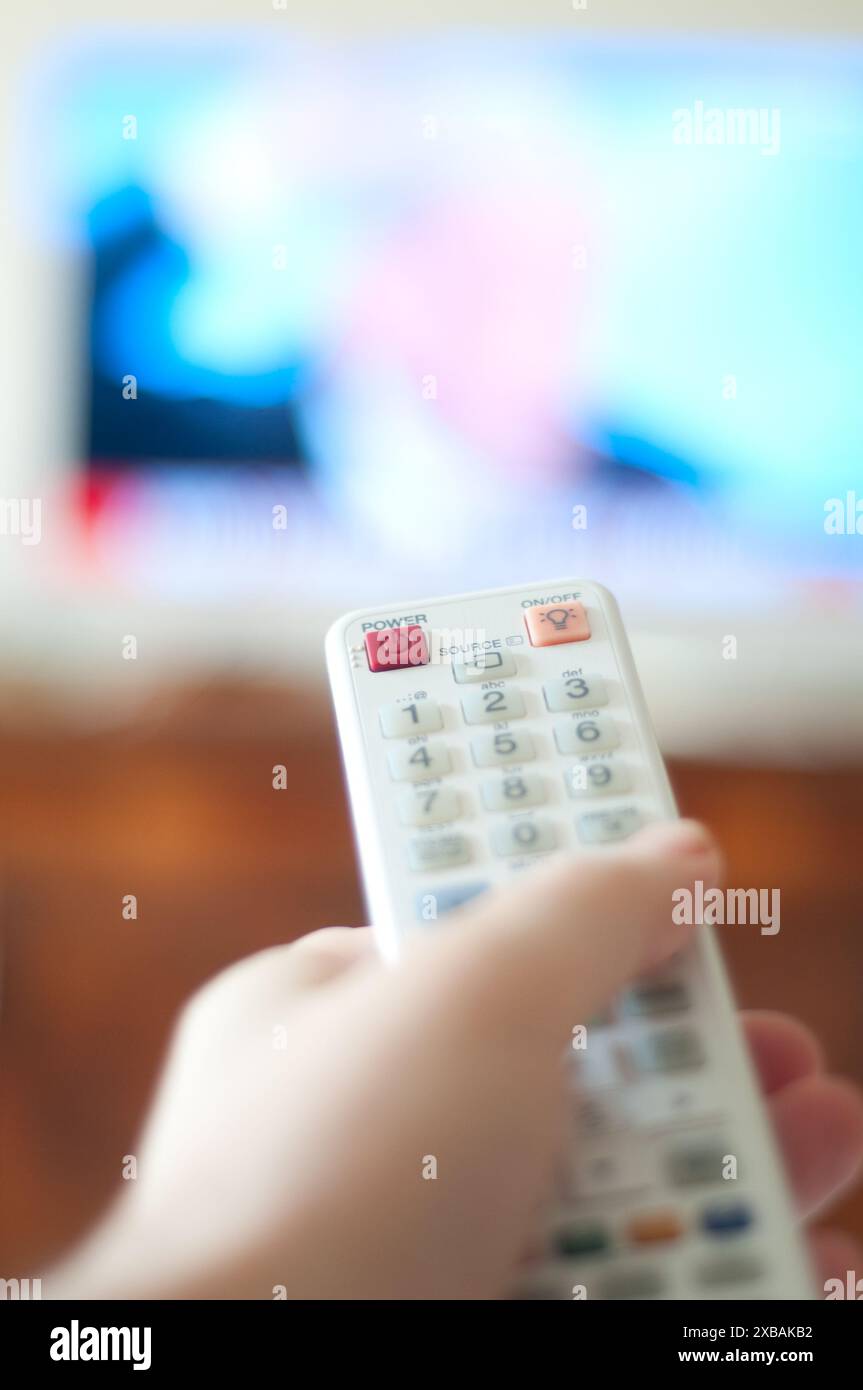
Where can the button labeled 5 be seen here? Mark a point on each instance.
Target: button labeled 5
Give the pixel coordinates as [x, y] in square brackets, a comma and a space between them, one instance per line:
[489, 750]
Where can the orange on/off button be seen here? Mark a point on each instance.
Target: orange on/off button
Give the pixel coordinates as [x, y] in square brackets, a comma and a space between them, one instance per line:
[552, 623]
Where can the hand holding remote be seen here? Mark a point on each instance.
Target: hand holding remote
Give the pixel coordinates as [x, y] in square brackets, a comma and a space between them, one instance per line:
[301, 1158]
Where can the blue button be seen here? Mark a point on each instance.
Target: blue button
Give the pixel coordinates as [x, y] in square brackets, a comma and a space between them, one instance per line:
[437, 902]
[727, 1220]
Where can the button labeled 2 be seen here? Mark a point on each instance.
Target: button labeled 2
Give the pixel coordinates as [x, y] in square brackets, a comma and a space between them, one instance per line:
[490, 706]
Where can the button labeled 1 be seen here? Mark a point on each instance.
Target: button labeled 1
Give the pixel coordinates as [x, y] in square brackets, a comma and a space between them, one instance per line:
[420, 717]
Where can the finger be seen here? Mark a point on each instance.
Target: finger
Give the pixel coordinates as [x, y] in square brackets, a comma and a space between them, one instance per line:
[324, 955]
[819, 1124]
[782, 1049]
[280, 973]
[553, 949]
[835, 1255]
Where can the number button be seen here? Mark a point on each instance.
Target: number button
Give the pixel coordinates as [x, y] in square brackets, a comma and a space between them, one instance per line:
[438, 851]
[513, 792]
[400, 721]
[522, 837]
[598, 827]
[489, 750]
[485, 666]
[489, 706]
[418, 763]
[597, 779]
[575, 692]
[587, 735]
[428, 806]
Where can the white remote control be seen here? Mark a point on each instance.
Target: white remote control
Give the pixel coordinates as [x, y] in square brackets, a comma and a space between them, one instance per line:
[481, 733]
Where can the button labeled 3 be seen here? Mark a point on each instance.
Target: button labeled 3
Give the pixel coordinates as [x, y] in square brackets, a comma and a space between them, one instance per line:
[575, 692]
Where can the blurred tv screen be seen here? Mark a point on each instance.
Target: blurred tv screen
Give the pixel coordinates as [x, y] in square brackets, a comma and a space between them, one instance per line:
[477, 305]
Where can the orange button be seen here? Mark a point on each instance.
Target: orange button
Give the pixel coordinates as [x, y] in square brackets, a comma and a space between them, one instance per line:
[654, 1226]
[551, 623]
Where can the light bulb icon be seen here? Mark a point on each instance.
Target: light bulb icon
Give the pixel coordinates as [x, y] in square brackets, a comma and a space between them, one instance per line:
[558, 622]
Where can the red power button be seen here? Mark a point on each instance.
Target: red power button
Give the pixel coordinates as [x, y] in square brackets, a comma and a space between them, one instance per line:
[397, 647]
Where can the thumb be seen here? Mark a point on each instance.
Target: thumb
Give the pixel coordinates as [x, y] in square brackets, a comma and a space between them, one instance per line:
[555, 948]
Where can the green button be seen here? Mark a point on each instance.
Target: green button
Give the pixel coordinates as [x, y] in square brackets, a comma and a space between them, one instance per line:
[581, 1240]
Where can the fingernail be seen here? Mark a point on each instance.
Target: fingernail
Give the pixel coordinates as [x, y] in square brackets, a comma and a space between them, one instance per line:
[675, 837]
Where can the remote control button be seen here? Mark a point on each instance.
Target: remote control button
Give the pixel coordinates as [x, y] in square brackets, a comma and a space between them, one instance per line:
[653, 1227]
[727, 1218]
[730, 1269]
[485, 666]
[598, 827]
[522, 837]
[697, 1161]
[492, 706]
[513, 792]
[489, 750]
[437, 902]
[396, 648]
[575, 692]
[438, 851]
[581, 1238]
[597, 779]
[655, 998]
[601, 1115]
[549, 624]
[420, 717]
[626, 1284]
[418, 762]
[605, 1173]
[428, 806]
[662, 1103]
[592, 735]
[675, 1049]
[597, 1064]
